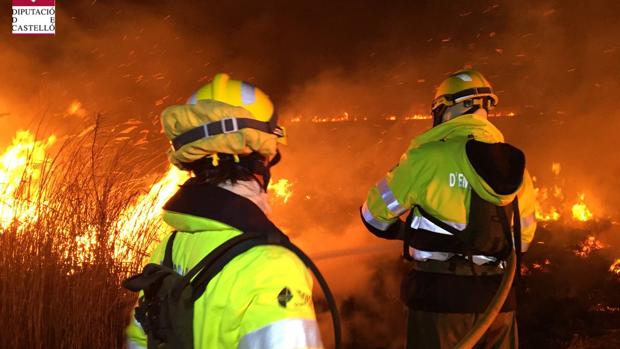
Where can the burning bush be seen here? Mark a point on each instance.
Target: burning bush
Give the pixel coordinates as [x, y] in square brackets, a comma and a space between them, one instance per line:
[73, 225]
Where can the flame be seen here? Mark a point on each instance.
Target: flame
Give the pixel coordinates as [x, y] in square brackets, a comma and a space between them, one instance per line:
[147, 208]
[580, 210]
[21, 168]
[551, 201]
[545, 212]
[615, 267]
[281, 189]
[346, 117]
[590, 244]
[21, 165]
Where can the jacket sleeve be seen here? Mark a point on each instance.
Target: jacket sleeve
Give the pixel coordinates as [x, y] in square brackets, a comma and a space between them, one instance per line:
[527, 211]
[392, 196]
[280, 312]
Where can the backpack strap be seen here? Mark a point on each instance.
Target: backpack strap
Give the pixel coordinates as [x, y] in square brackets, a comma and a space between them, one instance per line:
[201, 274]
[230, 249]
[167, 261]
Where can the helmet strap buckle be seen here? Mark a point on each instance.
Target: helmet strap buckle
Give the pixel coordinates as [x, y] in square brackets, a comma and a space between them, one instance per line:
[229, 125]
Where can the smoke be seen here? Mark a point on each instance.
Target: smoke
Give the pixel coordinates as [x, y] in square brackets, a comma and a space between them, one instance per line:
[553, 63]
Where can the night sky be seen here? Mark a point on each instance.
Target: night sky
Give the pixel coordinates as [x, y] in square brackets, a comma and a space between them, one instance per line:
[537, 53]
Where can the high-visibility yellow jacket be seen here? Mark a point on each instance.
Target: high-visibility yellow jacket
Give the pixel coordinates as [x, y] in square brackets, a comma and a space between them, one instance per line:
[261, 299]
[436, 174]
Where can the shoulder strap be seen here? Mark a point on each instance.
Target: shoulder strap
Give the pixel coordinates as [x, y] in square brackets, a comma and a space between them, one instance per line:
[201, 274]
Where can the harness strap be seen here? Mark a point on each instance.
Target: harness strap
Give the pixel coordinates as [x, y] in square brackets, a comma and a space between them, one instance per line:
[223, 126]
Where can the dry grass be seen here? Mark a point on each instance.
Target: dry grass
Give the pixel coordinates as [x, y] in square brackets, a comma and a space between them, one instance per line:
[61, 271]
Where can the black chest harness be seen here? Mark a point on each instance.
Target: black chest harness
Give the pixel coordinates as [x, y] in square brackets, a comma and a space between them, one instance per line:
[488, 232]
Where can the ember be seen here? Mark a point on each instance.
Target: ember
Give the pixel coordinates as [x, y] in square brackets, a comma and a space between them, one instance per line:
[590, 244]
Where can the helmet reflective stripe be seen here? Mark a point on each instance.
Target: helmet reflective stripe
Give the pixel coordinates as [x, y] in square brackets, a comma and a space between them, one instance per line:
[464, 77]
[248, 94]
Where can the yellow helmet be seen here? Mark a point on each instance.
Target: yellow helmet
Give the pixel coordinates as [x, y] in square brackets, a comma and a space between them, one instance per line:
[226, 117]
[236, 93]
[464, 85]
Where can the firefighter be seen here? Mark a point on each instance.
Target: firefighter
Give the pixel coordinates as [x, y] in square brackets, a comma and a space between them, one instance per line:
[227, 136]
[456, 177]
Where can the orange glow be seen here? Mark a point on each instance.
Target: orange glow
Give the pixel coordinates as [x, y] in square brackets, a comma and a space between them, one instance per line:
[556, 168]
[76, 108]
[281, 189]
[580, 210]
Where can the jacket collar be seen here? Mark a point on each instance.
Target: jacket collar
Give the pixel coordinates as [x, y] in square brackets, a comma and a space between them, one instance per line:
[218, 204]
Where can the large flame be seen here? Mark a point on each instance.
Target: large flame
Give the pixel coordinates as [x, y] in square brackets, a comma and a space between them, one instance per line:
[21, 166]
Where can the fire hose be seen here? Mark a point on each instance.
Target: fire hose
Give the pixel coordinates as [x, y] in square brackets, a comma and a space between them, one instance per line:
[484, 321]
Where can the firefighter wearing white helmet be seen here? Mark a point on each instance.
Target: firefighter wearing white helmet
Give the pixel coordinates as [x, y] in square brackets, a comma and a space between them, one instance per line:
[462, 188]
[226, 277]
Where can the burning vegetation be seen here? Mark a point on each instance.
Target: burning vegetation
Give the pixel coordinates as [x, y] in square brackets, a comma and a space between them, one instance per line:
[70, 214]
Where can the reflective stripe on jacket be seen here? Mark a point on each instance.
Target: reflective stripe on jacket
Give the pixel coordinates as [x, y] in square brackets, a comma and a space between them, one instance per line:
[436, 174]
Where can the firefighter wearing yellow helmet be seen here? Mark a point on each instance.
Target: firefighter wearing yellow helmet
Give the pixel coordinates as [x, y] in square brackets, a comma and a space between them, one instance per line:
[469, 203]
[226, 277]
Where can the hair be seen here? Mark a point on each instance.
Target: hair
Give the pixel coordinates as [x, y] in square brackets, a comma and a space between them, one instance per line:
[227, 170]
